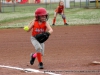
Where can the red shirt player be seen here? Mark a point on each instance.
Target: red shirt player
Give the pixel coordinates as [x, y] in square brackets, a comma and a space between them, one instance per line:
[39, 25]
[60, 10]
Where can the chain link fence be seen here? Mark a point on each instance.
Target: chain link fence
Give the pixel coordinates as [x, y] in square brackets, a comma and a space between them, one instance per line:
[85, 3]
[11, 5]
[30, 6]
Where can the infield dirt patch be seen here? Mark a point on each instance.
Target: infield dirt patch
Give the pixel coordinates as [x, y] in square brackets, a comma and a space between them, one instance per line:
[69, 51]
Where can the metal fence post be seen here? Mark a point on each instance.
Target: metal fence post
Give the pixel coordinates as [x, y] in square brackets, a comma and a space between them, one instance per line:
[50, 4]
[67, 3]
[74, 3]
[87, 3]
[13, 1]
[0, 5]
[46, 3]
[80, 3]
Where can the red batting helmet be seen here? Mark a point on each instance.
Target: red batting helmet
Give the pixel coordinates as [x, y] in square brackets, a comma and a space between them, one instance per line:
[39, 12]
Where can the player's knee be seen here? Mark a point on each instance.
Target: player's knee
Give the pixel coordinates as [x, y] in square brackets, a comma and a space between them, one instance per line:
[37, 47]
[63, 17]
[38, 51]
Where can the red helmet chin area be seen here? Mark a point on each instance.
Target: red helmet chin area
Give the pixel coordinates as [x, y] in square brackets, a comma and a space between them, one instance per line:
[40, 12]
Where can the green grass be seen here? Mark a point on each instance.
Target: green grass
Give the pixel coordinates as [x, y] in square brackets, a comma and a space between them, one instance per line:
[24, 14]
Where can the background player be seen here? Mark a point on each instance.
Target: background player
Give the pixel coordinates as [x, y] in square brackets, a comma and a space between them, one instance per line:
[39, 26]
[60, 10]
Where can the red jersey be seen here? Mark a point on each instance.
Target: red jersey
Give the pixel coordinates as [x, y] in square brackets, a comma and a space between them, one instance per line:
[59, 9]
[38, 28]
[8, 0]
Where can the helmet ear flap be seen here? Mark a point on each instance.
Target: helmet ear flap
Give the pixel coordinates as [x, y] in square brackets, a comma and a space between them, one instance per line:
[47, 17]
[38, 17]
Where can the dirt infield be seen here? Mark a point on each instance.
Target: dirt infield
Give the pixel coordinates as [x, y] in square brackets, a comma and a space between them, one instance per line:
[69, 51]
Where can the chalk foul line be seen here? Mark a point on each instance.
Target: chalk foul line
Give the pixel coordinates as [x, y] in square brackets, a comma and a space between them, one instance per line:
[28, 70]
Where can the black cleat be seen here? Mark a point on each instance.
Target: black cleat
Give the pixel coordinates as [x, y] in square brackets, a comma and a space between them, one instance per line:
[40, 65]
[66, 24]
[32, 59]
[53, 24]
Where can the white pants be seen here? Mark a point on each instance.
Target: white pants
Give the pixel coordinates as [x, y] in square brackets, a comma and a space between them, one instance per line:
[39, 47]
[62, 15]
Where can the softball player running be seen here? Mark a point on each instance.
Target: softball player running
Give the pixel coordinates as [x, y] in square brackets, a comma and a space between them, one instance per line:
[40, 33]
[60, 10]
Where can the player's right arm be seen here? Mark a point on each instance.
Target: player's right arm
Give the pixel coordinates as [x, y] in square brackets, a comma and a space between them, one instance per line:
[56, 10]
[30, 26]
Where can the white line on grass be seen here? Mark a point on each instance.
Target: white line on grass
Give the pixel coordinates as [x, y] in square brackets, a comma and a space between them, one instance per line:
[28, 70]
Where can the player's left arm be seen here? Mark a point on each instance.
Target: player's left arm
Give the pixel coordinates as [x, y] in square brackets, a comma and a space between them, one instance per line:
[49, 29]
